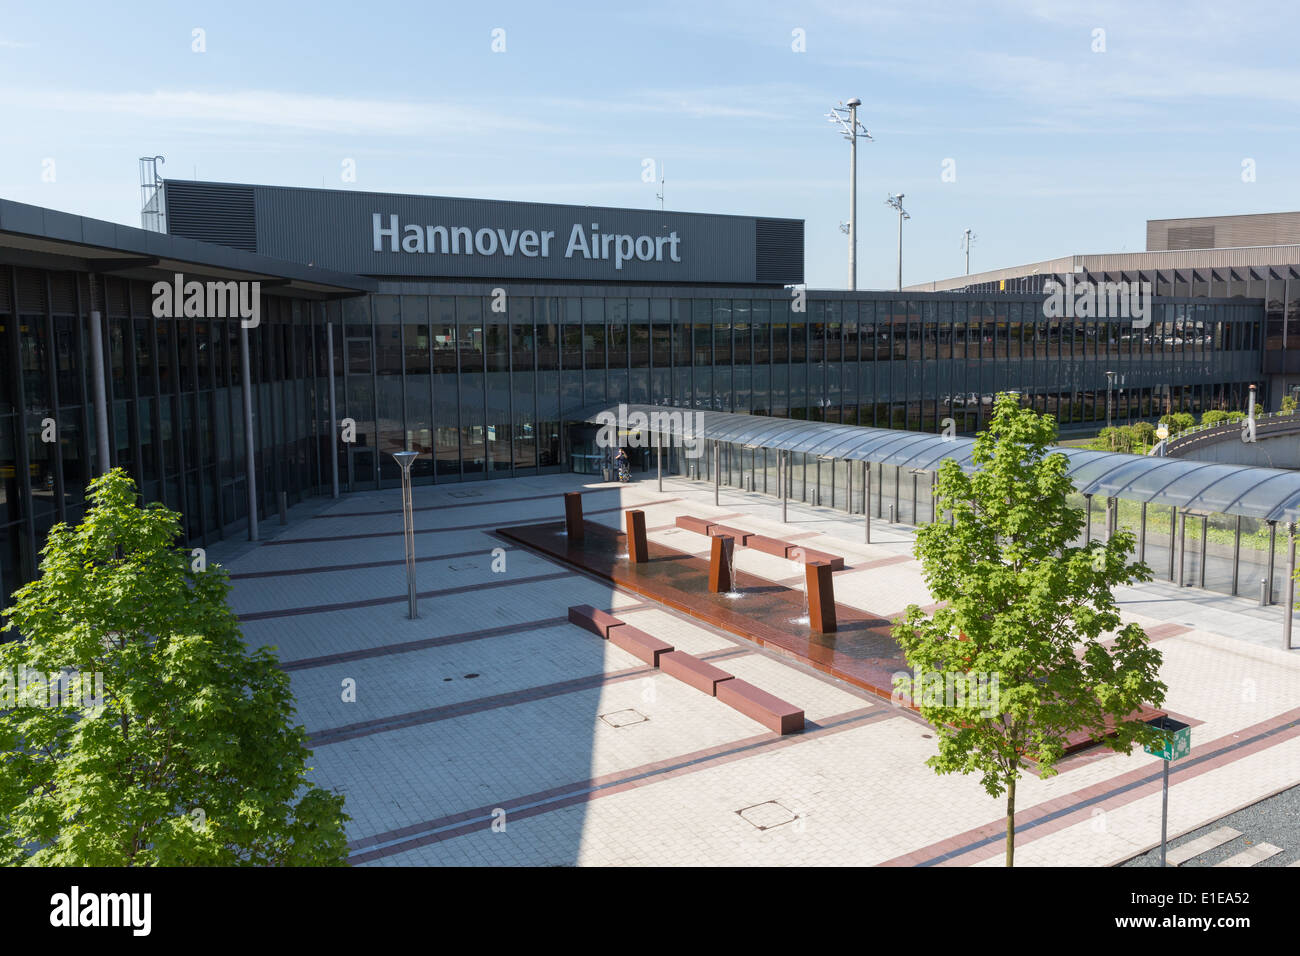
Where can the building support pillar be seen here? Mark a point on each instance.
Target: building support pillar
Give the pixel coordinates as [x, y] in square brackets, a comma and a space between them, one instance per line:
[1272, 557]
[250, 445]
[717, 471]
[334, 414]
[1290, 587]
[100, 386]
[659, 459]
[866, 499]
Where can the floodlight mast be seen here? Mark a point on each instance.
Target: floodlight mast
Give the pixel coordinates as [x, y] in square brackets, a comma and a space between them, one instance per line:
[966, 239]
[896, 202]
[846, 118]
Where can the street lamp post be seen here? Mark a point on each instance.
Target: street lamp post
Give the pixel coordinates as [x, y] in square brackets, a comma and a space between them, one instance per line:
[404, 459]
[896, 202]
[846, 118]
[1110, 381]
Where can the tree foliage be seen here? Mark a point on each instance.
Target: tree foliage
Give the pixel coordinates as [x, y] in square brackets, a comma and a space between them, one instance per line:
[195, 757]
[1178, 422]
[1217, 416]
[1023, 605]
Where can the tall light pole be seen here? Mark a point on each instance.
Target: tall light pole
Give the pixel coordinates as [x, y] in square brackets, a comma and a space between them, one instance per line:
[1110, 381]
[404, 460]
[846, 118]
[966, 239]
[896, 202]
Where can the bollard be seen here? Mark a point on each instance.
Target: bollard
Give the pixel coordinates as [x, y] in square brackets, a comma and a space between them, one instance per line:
[891, 513]
[1263, 592]
[284, 507]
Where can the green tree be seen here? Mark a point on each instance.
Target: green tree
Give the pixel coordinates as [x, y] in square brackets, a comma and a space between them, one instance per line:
[1178, 421]
[1288, 404]
[1025, 610]
[190, 755]
[1144, 433]
[1217, 416]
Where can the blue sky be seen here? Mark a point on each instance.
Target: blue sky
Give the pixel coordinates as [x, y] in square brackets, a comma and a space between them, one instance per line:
[1057, 149]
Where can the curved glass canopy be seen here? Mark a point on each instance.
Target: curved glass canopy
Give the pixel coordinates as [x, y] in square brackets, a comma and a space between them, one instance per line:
[1268, 493]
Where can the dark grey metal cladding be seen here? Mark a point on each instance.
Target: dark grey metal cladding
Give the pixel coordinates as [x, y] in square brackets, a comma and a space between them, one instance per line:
[778, 251]
[212, 212]
[335, 229]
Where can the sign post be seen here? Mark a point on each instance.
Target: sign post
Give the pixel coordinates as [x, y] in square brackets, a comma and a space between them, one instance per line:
[1175, 743]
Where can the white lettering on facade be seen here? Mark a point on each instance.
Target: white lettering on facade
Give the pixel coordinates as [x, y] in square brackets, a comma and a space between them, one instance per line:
[389, 234]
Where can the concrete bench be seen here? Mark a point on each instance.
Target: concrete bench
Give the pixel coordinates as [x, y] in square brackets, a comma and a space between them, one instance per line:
[691, 670]
[592, 619]
[772, 712]
[638, 643]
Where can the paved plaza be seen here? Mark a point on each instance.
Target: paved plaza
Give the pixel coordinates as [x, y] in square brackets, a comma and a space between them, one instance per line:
[493, 731]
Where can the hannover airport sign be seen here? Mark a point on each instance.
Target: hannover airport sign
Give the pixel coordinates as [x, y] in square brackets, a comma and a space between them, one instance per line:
[438, 238]
[532, 243]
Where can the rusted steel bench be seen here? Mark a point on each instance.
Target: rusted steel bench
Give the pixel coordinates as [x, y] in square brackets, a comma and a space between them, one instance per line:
[809, 556]
[638, 643]
[689, 523]
[760, 542]
[691, 670]
[768, 545]
[772, 712]
[592, 619]
[722, 530]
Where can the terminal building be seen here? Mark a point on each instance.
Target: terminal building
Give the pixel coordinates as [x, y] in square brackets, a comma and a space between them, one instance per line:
[1250, 257]
[482, 333]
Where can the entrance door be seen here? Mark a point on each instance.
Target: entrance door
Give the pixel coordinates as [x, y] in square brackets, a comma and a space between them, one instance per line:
[360, 452]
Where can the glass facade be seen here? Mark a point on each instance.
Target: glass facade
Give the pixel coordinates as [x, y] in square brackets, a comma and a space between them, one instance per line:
[485, 382]
[175, 410]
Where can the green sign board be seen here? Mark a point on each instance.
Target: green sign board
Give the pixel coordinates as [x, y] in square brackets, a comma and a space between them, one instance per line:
[1176, 741]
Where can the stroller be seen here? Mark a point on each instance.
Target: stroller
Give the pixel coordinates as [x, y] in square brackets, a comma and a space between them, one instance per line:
[624, 473]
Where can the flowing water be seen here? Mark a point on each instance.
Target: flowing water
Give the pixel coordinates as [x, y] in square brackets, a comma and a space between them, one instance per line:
[730, 554]
[803, 589]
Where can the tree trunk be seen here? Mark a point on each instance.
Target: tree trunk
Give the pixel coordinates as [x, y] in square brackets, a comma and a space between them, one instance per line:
[1011, 822]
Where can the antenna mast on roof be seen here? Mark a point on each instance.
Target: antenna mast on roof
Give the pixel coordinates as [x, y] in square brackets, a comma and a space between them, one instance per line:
[152, 216]
[967, 238]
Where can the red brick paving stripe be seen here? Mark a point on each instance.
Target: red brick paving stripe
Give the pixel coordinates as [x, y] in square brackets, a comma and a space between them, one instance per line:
[405, 647]
[360, 566]
[375, 602]
[459, 504]
[460, 527]
[1046, 818]
[584, 791]
[334, 735]
[882, 562]
[1169, 629]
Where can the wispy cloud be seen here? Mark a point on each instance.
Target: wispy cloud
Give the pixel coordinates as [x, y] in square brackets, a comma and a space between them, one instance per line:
[268, 108]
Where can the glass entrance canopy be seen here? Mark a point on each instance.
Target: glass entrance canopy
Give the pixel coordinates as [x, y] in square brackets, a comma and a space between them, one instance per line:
[1269, 494]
